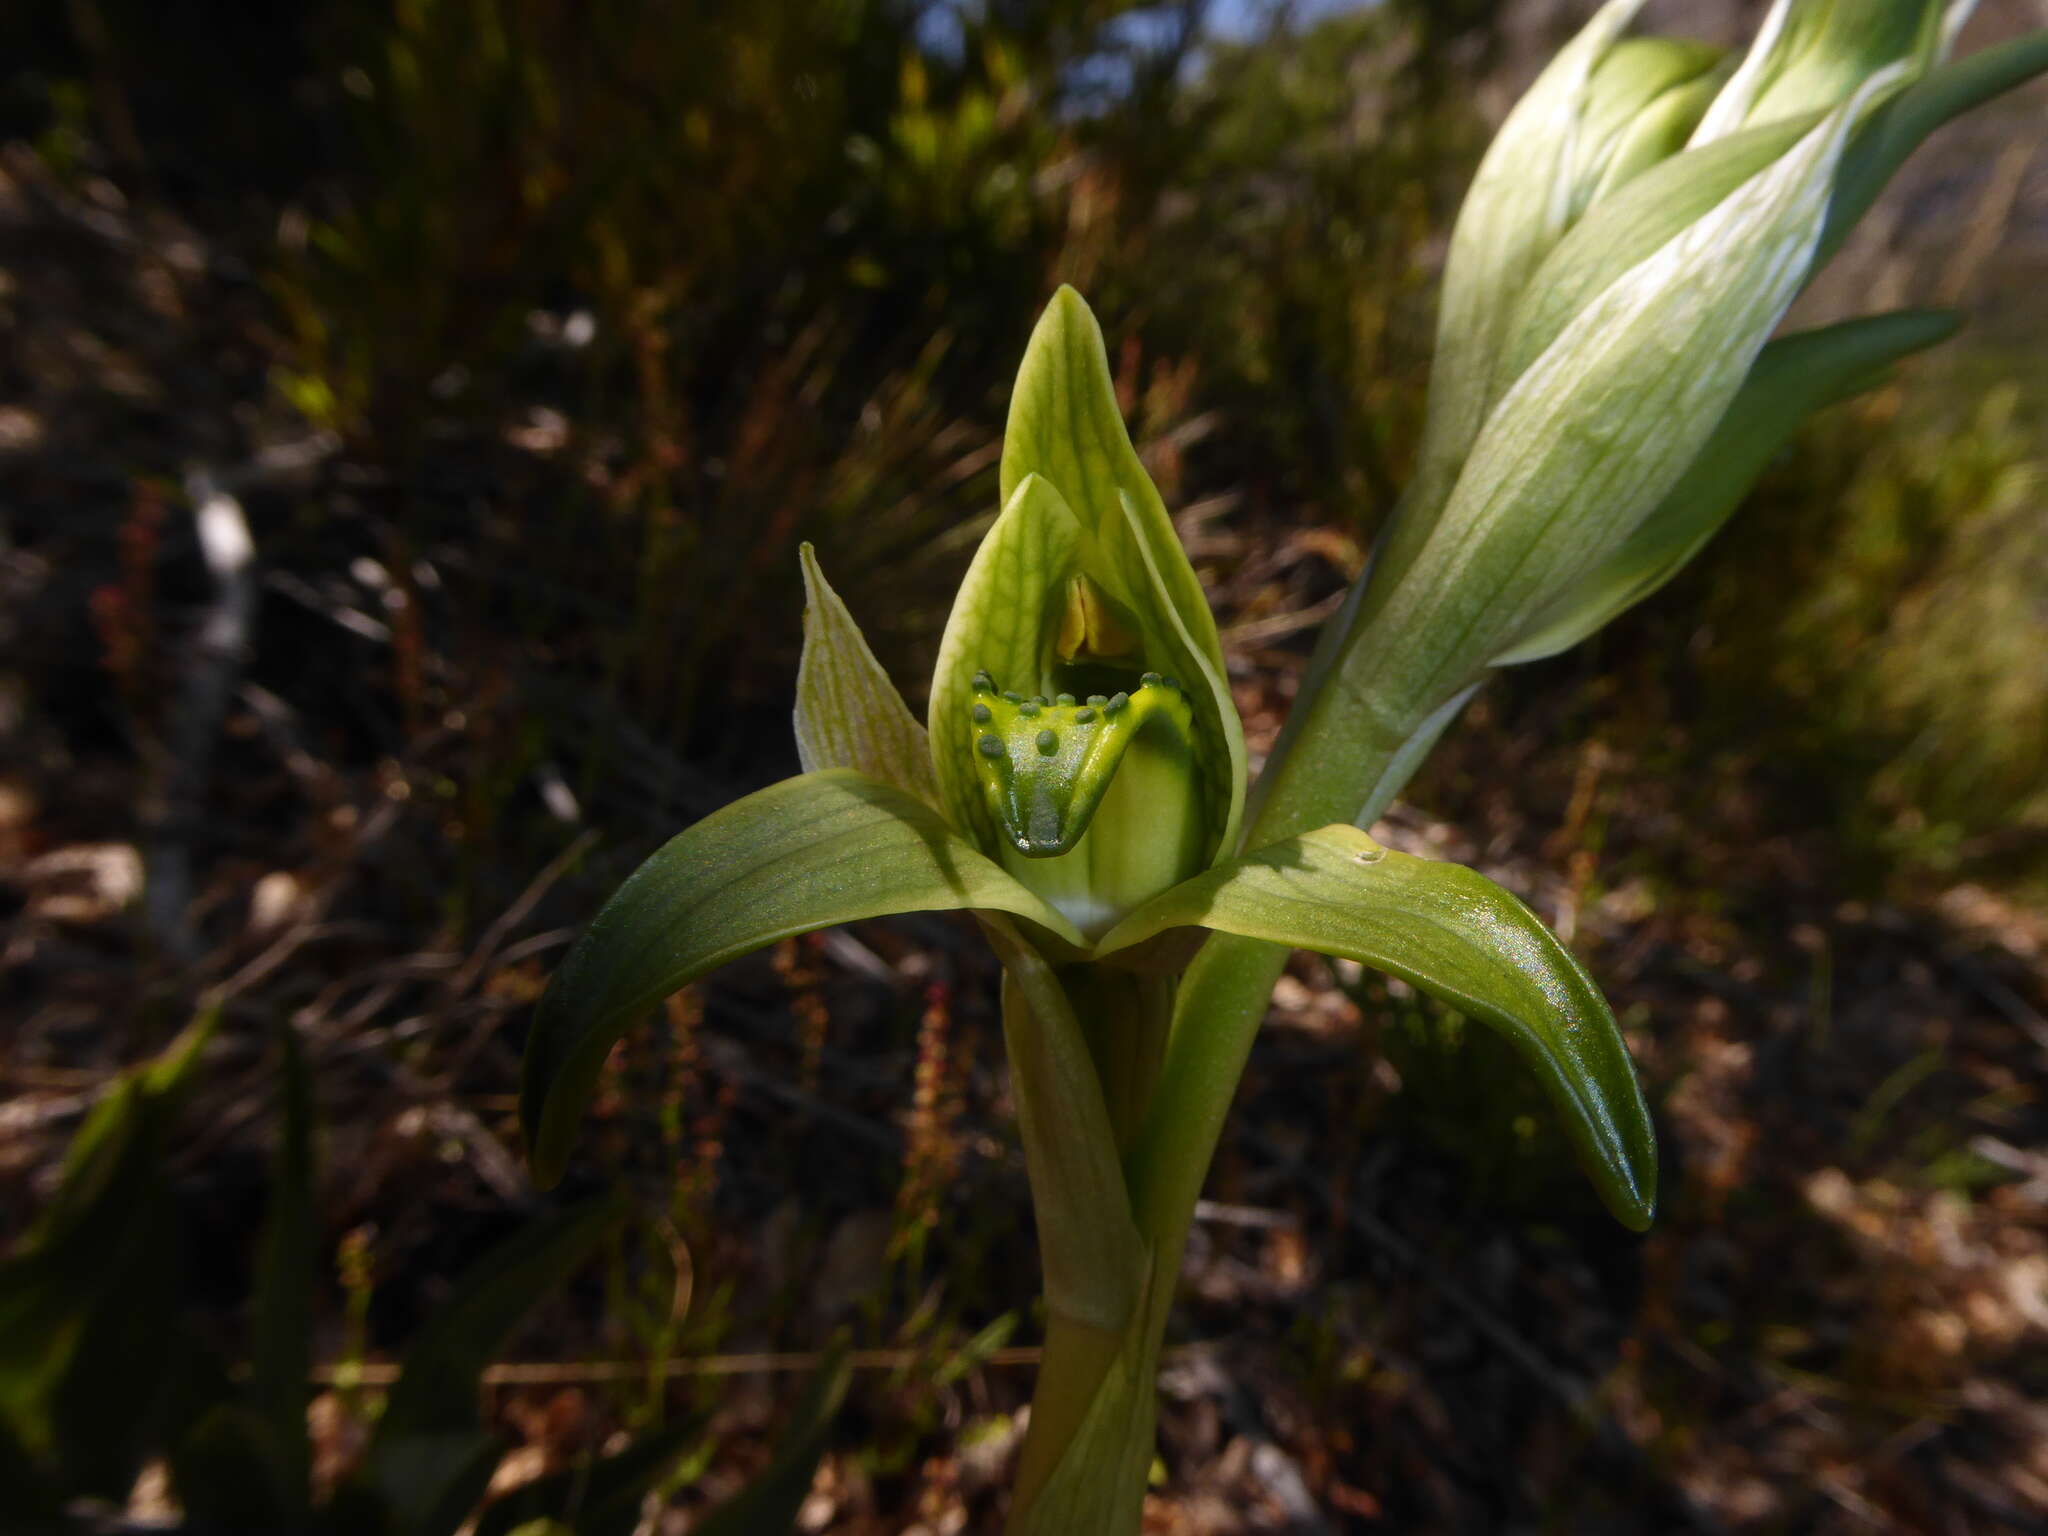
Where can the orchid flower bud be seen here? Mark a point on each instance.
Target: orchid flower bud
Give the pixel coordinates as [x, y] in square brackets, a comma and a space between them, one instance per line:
[1643, 100]
[1607, 386]
[1810, 57]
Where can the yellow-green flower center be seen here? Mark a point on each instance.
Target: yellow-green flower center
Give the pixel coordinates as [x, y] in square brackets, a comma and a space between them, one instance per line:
[1096, 798]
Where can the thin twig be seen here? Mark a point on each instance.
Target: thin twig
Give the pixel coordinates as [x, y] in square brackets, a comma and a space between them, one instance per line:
[549, 1373]
[479, 961]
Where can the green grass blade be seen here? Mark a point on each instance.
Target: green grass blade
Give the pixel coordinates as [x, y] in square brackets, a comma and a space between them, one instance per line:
[283, 1302]
[436, 1392]
[769, 1505]
[88, 1300]
[428, 1461]
[601, 1499]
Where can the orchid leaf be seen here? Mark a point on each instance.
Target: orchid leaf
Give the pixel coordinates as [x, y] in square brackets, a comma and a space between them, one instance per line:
[848, 713]
[769, 1505]
[808, 853]
[1642, 103]
[1794, 376]
[1452, 933]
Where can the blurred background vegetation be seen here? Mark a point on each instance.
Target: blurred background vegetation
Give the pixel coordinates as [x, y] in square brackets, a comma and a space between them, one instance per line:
[530, 338]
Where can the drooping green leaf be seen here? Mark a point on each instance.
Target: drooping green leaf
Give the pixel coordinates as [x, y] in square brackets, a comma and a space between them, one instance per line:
[428, 1461]
[808, 853]
[1794, 376]
[769, 1505]
[1454, 934]
[601, 1499]
[282, 1346]
[1517, 208]
[1065, 427]
[88, 1299]
[1089, 1246]
[848, 713]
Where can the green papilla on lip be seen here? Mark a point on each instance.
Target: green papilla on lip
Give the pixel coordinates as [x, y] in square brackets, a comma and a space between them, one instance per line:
[1045, 763]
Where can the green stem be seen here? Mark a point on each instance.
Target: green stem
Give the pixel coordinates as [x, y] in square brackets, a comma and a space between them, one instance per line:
[1126, 1017]
[1094, 1411]
[1097, 1266]
[1089, 1448]
[1346, 768]
[1328, 776]
[1167, 1091]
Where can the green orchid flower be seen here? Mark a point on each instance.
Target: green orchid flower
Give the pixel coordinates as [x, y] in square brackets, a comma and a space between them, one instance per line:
[1080, 787]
